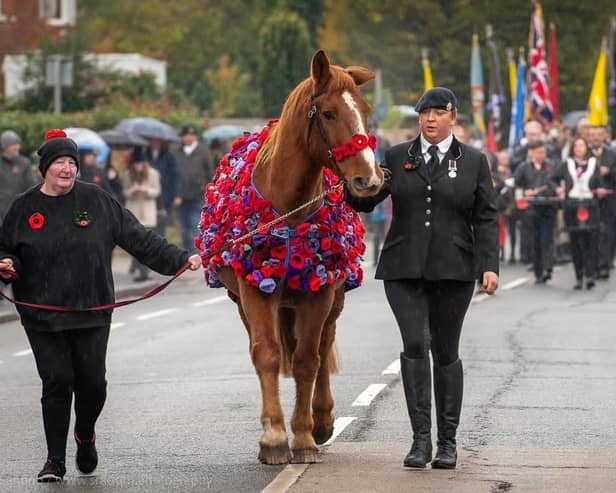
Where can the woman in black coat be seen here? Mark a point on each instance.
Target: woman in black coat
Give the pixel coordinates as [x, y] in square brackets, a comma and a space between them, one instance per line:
[56, 248]
[443, 237]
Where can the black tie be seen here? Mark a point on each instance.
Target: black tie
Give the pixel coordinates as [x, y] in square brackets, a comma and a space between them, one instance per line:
[432, 165]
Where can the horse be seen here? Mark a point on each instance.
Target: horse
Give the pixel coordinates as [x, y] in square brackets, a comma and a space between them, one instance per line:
[321, 138]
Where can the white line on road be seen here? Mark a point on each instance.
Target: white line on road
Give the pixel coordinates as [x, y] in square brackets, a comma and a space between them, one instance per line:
[514, 284]
[393, 368]
[480, 297]
[286, 478]
[25, 352]
[366, 397]
[160, 313]
[211, 301]
[339, 425]
[117, 325]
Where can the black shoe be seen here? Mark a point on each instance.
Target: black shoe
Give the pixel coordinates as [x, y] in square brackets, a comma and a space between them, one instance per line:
[86, 458]
[53, 471]
[590, 284]
[512, 261]
[604, 274]
[448, 390]
[540, 280]
[578, 285]
[416, 379]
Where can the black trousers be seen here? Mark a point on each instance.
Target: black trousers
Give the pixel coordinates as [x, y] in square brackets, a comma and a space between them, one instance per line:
[607, 232]
[70, 362]
[527, 247]
[584, 253]
[544, 220]
[512, 231]
[439, 307]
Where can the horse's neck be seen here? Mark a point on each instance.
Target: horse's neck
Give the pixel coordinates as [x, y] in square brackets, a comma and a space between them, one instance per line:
[287, 177]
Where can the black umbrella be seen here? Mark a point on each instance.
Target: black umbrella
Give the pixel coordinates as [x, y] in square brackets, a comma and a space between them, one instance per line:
[149, 128]
[115, 137]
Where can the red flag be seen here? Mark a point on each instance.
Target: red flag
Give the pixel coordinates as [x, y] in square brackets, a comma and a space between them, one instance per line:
[553, 71]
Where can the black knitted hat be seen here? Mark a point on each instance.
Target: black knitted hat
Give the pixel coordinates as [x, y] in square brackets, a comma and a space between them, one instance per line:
[56, 145]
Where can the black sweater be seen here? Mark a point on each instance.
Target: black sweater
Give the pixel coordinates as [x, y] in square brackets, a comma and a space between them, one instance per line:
[65, 264]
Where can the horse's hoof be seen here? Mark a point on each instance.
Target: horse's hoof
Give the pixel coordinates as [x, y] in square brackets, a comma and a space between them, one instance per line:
[280, 454]
[322, 433]
[306, 456]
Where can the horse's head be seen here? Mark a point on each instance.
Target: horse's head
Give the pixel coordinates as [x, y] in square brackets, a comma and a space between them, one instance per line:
[338, 124]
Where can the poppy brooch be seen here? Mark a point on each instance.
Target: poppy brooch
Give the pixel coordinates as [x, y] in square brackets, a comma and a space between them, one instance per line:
[82, 219]
[414, 161]
[36, 221]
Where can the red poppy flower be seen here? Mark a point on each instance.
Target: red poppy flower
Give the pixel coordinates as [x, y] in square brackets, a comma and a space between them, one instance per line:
[297, 261]
[37, 220]
[267, 271]
[315, 283]
[294, 282]
[198, 243]
[303, 229]
[279, 252]
[326, 244]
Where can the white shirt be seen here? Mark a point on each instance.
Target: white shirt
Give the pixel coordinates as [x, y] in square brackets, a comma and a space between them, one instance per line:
[443, 147]
[188, 150]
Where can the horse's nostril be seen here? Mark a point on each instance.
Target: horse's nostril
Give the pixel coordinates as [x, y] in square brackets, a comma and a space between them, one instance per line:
[360, 183]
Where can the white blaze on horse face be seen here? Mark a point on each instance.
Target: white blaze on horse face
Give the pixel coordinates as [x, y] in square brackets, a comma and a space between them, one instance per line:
[367, 153]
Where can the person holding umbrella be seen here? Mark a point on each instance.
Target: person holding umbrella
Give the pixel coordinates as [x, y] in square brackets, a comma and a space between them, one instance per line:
[56, 248]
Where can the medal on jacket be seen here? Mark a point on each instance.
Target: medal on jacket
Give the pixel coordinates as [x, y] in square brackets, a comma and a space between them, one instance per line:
[453, 168]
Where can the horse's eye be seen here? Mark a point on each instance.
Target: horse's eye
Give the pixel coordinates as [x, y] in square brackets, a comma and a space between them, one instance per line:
[329, 115]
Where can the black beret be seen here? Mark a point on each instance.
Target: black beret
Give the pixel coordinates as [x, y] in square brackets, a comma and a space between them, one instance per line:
[437, 97]
[189, 129]
[56, 145]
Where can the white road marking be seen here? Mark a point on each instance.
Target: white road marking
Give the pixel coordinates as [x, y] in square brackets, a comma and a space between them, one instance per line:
[339, 425]
[480, 297]
[366, 397]
[25, 352]
[211, 301]
[117, 325]
[160, 313]
[514, 284]
[286, 478]
[393, 368]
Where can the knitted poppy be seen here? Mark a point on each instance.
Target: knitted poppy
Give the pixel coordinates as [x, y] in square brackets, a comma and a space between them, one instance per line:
[36, 221]
[324, 248]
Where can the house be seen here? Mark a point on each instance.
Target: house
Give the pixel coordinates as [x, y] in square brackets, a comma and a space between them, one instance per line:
[24, 24]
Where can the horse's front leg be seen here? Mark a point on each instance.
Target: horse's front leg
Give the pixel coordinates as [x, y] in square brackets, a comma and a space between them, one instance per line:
[309, 321]
[265, 353]
[323, 400]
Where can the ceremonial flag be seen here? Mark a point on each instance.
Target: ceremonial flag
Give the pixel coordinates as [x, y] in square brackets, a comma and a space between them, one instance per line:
[513, 73]
[554, 73]
[612, 96]
[516, 130]
[597, 102]
[477, 93]
[541, 105]
[427, 71]
[496, 93]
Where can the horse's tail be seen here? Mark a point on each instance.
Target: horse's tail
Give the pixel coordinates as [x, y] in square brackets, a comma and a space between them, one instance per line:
[288, 342]
[286, 336]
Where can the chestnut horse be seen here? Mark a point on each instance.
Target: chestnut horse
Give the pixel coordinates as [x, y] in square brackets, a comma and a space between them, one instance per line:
[290, 331]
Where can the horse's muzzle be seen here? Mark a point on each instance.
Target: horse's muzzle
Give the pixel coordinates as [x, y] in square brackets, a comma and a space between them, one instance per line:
[365, 187]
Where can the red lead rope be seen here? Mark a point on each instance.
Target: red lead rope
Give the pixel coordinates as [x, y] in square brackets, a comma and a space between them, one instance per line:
[109, 306]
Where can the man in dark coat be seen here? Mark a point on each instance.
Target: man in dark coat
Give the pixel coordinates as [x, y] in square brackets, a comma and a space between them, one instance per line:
[15, 171]
[443, 237]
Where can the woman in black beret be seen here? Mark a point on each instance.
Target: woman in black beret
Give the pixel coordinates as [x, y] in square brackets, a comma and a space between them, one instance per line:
[56, 248]
[443, 237]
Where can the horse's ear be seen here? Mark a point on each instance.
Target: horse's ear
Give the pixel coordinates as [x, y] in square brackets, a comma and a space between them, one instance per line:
[319, 70]
[360, 75]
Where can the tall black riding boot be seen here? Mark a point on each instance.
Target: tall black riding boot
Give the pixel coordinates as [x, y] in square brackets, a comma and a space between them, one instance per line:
[417, 389]
[448, 388]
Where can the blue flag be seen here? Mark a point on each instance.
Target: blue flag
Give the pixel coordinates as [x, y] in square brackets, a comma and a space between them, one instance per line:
[518, 108]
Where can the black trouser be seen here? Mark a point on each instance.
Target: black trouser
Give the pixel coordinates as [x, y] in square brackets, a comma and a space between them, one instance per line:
[512, 231]
[607, 232]
[438, 305]
[527, 247]
[584, 253]
[377, 239]
[70, 361]
[544, 220]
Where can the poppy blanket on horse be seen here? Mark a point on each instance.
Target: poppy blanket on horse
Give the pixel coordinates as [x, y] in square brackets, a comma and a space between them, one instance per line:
[325, 247]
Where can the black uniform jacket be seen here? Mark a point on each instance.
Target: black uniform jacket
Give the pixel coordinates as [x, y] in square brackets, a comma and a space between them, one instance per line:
[443, 227]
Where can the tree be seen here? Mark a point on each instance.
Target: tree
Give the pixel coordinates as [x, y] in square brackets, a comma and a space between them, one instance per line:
[227, 83]
[284, 58]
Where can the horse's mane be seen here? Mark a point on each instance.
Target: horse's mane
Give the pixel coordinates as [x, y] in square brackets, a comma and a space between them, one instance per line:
[294, 117]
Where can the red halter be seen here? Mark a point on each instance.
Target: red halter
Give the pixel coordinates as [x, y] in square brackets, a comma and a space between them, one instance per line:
[357, 144]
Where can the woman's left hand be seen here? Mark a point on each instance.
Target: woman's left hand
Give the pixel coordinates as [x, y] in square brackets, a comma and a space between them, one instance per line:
[489, 282]
[194, 261]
